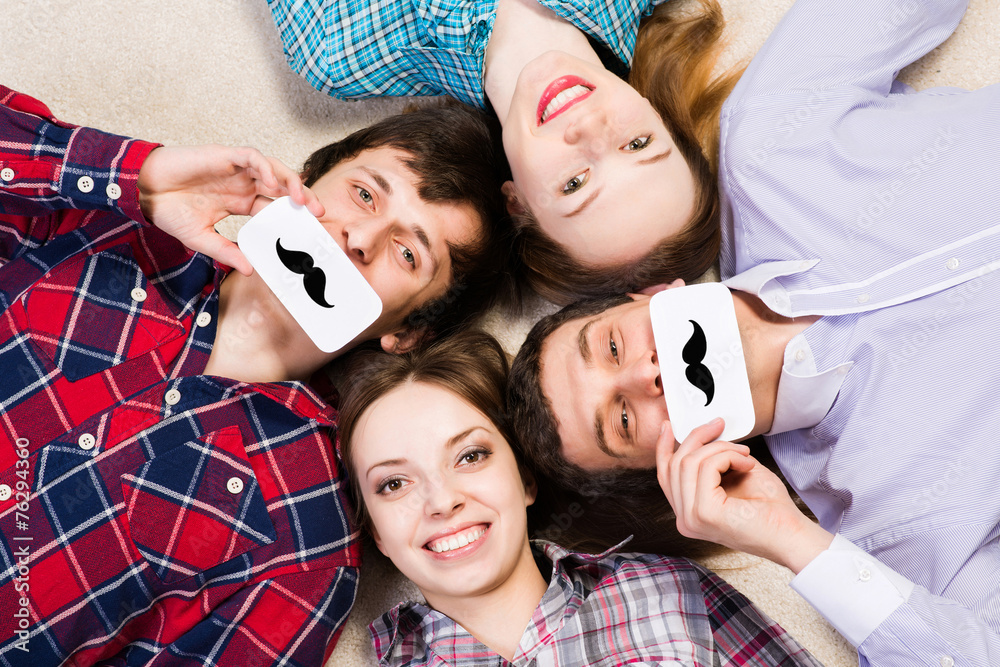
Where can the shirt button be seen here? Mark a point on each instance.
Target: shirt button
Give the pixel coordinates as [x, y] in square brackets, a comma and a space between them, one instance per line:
[863, 298]
[172, 397]
[952, 263]
[85, 184]
[800, 355]
[865, 575]
[139, 294]
[87, 441]
[113, 190]
[7, 174]
[947, 661]
[4, 492]
[234, 485]
[204, 319]
[842, 370]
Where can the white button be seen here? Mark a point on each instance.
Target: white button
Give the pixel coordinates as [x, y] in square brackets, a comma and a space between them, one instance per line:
[803, 265]
[113, 190]
[947, 661]
[952, 263]
[139, 294]
[7, 174]
[842, 370]
[172, 397]
[234, 485]
[86, 184]
[865, 575]
[863, 298]
[800, 355]
[87, 441]
[4, 492]
[204, 319]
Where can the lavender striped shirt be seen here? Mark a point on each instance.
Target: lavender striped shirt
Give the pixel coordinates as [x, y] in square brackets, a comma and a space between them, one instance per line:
[849, 195]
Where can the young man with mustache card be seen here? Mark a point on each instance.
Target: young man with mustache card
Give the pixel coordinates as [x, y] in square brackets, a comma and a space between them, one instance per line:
[169, 491]
[880, 416]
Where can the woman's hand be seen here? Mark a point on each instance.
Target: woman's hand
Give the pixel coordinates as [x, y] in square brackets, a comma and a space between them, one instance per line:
[722, 494]
[185, 190]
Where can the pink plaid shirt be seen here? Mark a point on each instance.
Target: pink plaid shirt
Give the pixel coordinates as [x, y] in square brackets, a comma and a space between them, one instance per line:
[609, 609]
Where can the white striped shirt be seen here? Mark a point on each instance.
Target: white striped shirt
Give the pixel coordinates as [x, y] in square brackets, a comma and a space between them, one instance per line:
[849, 195]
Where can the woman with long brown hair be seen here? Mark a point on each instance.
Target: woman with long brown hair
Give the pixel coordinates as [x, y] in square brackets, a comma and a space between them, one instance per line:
[440, 487]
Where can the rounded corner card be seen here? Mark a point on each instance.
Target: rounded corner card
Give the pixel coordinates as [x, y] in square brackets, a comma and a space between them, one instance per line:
[701, 360]
[309, 273]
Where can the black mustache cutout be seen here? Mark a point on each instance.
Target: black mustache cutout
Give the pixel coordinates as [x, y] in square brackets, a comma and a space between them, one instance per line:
[697, 373]
[302, 263]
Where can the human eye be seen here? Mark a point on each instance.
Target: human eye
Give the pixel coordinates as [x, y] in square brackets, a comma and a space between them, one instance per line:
[637, 144]
[575, 183]
[613, 347]
[624, 417]
[365, 196]
[473, 456]
[406, 253]
[390, 486]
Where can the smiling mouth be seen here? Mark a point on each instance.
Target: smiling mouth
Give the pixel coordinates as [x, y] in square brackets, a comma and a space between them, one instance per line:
[560, 95]
[457, 540]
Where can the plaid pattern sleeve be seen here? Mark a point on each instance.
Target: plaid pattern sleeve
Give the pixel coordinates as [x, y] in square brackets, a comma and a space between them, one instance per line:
[364, 48]
[606, 610]
[47, 164]
[742, 633]
[149, 515]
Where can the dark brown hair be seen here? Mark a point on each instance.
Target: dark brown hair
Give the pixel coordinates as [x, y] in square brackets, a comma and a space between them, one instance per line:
[471, 365]
[585, 509]
[455, 153]
[674, 58]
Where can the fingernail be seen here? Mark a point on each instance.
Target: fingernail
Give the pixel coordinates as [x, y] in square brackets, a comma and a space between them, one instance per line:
[717, 420]
[663, 428]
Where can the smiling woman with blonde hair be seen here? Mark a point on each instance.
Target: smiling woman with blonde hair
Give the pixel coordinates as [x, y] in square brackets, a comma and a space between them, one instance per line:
[611, 188]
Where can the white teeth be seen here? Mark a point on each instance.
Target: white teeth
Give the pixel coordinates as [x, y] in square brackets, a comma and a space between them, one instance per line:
[562, 98]
[456, 541]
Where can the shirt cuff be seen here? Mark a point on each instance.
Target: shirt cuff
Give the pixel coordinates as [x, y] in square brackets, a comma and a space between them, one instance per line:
[851, 589]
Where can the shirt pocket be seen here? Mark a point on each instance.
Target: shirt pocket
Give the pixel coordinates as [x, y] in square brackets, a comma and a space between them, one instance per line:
[97, 311]
[196, 506]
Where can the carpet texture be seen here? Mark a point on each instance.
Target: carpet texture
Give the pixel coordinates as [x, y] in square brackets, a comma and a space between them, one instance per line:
[212, 71]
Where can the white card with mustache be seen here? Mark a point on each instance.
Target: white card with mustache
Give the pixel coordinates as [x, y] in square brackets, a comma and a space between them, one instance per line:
[701, 360]
[309, 273]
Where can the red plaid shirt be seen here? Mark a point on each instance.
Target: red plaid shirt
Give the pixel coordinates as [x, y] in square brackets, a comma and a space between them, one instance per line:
[149, 515]
[606, 610]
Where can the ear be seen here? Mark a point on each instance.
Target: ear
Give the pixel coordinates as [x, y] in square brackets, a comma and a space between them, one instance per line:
[403, 341]
[653, 289]
[378, 540]
[514, 205]
[530, 488]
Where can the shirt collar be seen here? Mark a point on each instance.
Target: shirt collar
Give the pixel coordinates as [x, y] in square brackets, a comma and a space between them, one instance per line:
[574, 577]
[804, 395]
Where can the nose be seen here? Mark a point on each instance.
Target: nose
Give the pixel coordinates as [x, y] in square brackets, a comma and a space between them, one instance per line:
[643, 375]
[589, 130]
[362, 239]
[442, 498]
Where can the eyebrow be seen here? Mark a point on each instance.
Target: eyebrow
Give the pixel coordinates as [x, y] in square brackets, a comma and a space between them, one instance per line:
[602, 442]
[382, 464]
[379, 179]
[655, 158]
[452, 441]
[583, 343]
[587, 202]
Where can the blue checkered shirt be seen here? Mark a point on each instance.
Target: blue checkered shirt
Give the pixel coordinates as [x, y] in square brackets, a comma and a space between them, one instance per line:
[368, 48]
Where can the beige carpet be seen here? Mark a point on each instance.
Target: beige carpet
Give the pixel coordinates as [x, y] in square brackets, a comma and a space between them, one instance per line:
[199, 71]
